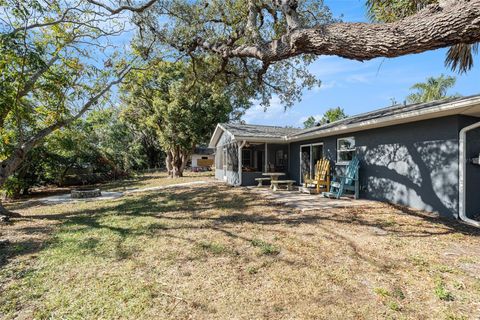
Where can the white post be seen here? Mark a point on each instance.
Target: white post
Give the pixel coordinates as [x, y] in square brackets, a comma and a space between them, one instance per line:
[240, 147]
[266, 158]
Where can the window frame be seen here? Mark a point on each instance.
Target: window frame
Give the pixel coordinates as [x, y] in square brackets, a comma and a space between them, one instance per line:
[354, 149]
[312, 165]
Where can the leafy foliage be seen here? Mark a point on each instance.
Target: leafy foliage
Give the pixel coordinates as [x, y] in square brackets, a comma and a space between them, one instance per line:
[391, 11]
[310, 122]
[101, 146]
[434, 88]
[181, 107]
[190, 30]
[51, 73]
[331, 115]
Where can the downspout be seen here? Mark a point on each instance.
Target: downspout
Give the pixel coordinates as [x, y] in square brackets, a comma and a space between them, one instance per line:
[240, 163]
[462, 175]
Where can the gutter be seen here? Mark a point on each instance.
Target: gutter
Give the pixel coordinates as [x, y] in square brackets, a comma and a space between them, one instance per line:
[437, 111]
[462, 174]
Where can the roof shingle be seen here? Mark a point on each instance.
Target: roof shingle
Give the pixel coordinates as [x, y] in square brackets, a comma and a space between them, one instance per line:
[259, 131]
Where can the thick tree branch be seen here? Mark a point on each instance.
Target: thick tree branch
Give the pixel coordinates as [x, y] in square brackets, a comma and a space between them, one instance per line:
[436, 26]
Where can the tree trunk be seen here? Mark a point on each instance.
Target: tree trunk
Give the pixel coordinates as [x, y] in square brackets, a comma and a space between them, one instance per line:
[63, 174]
[184, 162]
[4, 174]
[176, 161]
[6, 214]
[168, 162]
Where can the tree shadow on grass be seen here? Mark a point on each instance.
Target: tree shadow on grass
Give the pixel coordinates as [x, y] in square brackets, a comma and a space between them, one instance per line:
[221, 210]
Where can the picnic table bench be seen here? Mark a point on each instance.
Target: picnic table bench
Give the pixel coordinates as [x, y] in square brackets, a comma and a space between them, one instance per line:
[260, 181]
[288, 183]
[273, 176]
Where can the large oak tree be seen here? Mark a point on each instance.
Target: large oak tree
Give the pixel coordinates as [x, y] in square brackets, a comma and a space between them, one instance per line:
[271, 31]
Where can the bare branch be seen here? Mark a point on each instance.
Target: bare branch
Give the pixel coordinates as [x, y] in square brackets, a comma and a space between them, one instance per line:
[124, 7]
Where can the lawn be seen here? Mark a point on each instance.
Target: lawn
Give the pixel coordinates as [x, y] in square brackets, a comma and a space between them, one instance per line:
[215, 252]
[155, 179]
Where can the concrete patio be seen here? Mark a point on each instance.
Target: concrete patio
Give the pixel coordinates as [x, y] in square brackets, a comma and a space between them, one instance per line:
[309, 202]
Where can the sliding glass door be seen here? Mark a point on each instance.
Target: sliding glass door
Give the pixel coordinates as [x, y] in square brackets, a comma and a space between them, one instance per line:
[305, 156]
[309, 155]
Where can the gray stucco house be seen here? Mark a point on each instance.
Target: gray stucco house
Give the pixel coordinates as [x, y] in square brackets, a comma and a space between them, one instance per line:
[424, 156]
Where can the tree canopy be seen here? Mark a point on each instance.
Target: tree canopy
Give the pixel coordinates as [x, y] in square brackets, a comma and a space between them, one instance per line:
[434, 88]
[54, 67]
[331, 115]
[273, 31]
[181, 108]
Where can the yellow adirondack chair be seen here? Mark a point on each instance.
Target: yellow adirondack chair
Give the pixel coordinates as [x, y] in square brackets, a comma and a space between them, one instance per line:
[322, 176]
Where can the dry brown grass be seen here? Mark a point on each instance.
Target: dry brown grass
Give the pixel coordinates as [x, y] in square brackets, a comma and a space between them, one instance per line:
[155, 179]
[214, 252]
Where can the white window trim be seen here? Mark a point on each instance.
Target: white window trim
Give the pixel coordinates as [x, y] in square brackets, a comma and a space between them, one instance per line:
[338, 150]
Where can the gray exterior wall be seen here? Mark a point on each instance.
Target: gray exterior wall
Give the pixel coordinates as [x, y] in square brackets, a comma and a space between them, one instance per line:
[248, 178]
[414, 164]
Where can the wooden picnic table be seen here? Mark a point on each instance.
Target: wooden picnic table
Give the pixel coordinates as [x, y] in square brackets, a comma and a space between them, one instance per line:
[273, 176]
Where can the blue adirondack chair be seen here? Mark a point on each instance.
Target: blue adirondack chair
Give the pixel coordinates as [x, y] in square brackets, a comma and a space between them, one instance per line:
[346, 182]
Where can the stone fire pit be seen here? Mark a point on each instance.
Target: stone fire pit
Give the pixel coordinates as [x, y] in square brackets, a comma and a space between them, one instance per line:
[85, 193]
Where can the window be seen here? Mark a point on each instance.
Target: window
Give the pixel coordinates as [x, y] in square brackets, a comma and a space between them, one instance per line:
[345, 149]
[204, 158]
[246, 158]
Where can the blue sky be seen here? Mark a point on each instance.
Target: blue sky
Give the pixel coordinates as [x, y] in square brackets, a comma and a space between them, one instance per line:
[359, 87]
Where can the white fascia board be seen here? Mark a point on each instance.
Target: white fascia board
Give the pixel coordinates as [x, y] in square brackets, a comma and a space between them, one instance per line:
[217, 134]
[452, 108]
[215, 137]
[281, 140]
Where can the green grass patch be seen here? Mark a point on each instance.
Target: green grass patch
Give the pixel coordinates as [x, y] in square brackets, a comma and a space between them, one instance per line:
[213, 247]
[265, 247]
[382, 292]
[394, 306]
[441, 291]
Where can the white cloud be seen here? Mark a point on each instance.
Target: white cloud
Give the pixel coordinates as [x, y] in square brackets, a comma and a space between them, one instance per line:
[360, 78]
[275, 114]
[327, 85]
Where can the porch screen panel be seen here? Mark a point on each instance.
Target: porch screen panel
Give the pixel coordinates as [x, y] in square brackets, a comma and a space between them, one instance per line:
[219, 158]
[232, 157]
